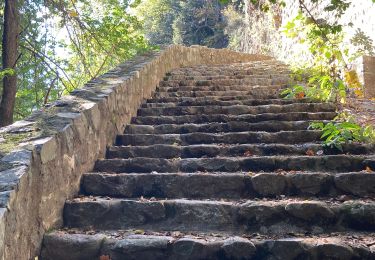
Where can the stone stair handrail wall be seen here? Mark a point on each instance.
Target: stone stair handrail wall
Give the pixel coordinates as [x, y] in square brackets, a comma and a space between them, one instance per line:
[43, 157]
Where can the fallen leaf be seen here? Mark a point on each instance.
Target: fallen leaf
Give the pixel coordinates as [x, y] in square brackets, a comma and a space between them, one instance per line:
[300, 95]
[104, 257]
[310, 152]
[139, 232]
[369, 170]
[248, 154]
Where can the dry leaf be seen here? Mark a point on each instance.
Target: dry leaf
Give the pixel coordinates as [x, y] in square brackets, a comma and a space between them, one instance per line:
[248, 154]
[310, 152]
[300, 95]
[104, 257]
[369, 170]
[139, 232]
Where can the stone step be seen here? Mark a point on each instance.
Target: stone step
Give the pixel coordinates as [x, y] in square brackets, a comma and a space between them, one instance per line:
[220, 118]
[262, 216]
[266, 126]
[237, 109]
[264, 93]
[250, 81]
[292, 137]
[151, 245]
[246, 150]
[334, 163]
[182, 102]
[225, 77]
[207, 72]
[229, 185]
[246, 87]
[188, 101]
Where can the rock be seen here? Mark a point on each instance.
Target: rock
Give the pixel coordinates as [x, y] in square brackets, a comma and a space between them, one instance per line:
[187, 248]
[310, 211]
[18, 157]
[62, 247]
[269, 184]
[358, 215]
[310, 183]
[332, 251]
[238, 248]
[359, 184]
[257, 213]
[147, 248]
[283, 249]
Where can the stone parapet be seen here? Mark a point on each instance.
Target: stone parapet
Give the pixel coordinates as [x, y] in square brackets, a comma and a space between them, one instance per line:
[43, 157]
[369, 76]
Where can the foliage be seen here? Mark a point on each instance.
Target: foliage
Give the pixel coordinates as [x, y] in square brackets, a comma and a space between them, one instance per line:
[6, 72]
[158, 17]
[184, 22]
[331, 78]
[63, 44]
[319, 87]
[335, 134]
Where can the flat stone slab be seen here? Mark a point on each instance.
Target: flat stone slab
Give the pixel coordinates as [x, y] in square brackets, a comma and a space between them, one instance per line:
[61, 245]
[334, 163]
[169, 151]
[200, 119]
[229, 185]
[234, 126]
[237, 109]
[291, 137]
[266, 216]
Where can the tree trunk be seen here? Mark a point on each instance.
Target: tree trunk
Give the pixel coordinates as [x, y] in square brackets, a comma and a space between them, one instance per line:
[9, 60]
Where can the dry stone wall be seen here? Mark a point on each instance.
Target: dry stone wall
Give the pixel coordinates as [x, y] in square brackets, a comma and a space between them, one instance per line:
[42, 158]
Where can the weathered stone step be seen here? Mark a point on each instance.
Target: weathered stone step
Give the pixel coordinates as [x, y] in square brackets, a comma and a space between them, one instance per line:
[246, 150]
[254, 101]
[220, 77]
[215, 88]
[176, 102]
[212, 80]
[267, 126]
[229, 185]
[264, 93]
[220, 118]
[253, 70]
[207, 72]
[265, 216]
[237, 109]
[151, 245]
[334, 163]
[292, 137]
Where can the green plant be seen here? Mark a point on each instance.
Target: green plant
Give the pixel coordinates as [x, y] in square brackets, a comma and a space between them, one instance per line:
[331, 78]
[335, 134]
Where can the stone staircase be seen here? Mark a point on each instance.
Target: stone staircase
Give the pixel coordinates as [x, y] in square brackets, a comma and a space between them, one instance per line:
[217, 166]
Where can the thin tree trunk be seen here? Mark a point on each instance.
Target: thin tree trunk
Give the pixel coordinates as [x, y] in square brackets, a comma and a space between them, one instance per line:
[9, 60]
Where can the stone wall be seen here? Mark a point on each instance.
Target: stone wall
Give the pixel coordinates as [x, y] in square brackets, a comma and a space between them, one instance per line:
[42, 158]
[369, 76]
